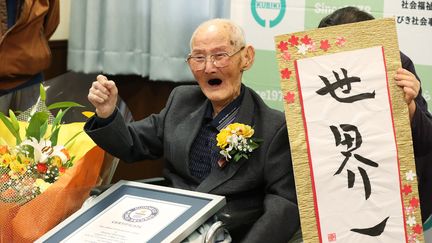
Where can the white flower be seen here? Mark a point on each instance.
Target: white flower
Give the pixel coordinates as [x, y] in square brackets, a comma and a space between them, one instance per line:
[410, 175]
[302, 49]
[58, 150]
[226, 154]
[40, 151]
[411, 221]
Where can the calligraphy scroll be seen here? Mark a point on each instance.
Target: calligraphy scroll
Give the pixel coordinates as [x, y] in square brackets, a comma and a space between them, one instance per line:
[350, 134]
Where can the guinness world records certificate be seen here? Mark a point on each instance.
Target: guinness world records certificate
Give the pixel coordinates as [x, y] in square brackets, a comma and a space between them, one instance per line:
[137, 212]
[129, 219]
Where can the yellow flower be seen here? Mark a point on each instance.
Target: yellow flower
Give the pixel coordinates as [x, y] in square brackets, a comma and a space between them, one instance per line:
[17, 167]
[56, 161]
[222, 138]
[6, 159]
[24, 159]
[244, 130]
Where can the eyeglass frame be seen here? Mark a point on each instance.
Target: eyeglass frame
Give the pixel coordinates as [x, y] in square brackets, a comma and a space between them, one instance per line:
[213, 59]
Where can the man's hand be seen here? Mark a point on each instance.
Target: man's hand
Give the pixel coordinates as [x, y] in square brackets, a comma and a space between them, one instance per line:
[103, 96]
[411, 87]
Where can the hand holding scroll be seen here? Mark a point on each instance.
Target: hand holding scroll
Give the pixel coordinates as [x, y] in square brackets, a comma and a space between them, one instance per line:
[411, 87]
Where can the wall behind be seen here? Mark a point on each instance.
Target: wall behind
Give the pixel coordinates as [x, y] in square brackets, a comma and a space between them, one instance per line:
[262, 20]
[62, 31]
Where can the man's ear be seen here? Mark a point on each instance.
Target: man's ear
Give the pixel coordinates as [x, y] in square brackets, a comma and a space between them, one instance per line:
[248, 57]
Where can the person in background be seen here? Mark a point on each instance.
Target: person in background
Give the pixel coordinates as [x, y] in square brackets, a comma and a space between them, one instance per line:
[25, 27]
[421, 120]
[259, 188]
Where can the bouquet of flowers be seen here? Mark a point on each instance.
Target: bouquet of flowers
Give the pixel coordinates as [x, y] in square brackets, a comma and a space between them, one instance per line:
[43, 174]
[236, 142]
[36, 161]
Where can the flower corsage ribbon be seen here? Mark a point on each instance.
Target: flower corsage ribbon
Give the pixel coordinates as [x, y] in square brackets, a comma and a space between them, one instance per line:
[236, 142]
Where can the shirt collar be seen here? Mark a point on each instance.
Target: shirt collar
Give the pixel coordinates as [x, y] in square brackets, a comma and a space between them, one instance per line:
[226, 113]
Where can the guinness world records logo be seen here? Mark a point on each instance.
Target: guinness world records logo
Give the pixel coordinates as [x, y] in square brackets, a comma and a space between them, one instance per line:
[140, 214]
[279, 6]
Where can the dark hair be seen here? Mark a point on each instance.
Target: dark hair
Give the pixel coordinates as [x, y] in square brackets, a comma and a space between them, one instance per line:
[345, 15]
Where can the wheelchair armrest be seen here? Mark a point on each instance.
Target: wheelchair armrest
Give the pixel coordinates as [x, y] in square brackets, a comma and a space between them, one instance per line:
[160, 181]
[215, 231]
[95, 191]
[240, 218]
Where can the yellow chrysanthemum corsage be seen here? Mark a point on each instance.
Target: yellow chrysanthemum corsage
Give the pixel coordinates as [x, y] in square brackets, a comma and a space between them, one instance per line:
[236, 142]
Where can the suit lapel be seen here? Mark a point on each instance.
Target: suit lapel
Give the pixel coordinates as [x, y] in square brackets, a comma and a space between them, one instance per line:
[220, 175]
[190, 126]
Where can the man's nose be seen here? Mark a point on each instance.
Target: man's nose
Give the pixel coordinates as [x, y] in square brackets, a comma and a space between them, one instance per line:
[210, 65]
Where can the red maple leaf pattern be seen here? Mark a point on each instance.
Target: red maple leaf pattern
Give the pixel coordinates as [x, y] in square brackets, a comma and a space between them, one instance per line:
[312, 46]
[286, 55]
[406, 189]
[285, 73]
[293, 40]
[324, 45]
[412, 238]
[340, 41]
[409, 210]
[414, 202]
[306, 40]
[289, 97]
[283, 46]
[417, 229]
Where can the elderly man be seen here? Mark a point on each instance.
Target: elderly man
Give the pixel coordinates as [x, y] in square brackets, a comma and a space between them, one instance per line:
[259, 187]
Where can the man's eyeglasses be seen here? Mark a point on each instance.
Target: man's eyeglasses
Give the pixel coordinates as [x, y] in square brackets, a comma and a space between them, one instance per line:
[220, 60]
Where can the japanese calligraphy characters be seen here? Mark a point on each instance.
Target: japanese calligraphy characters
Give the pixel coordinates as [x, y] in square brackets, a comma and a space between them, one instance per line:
[340, 83]
[351, 145]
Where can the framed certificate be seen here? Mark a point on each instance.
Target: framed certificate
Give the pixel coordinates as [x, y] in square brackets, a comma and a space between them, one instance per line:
[137, 212]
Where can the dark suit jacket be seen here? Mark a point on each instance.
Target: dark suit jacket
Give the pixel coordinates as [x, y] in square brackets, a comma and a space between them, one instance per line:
[421, 129]
[264, 183]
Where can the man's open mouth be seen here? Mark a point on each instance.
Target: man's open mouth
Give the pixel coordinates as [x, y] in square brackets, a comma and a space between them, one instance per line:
[215, 81]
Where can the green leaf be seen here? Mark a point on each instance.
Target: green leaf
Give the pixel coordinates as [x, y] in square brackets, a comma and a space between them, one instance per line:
[11, 128]
[237, 156]
[43, 129]
[54, 136]
[59, 117]
[37, 120]
[64, 104]
[56, 126]
[42, 93]
[14, 120]
[258, 140]
[253, 145]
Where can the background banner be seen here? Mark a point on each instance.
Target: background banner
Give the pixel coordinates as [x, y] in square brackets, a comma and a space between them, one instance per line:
[264, 19]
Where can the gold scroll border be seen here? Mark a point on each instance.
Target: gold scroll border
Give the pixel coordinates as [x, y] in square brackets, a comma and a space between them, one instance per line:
[381, 32]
